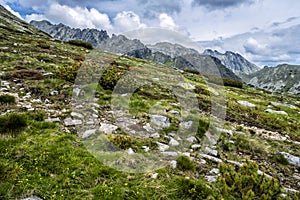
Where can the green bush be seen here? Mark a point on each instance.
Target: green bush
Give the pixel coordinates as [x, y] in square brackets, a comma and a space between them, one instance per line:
[202, 128]
[7, 99]
[185, 163]
[110, 77]
[81, 44]
[281, 159]
[192, 189]
[12, 124]
[246, 183]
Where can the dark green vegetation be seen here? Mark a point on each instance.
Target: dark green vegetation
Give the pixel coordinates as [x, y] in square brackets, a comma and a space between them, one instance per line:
[80, 43]
[41, 158]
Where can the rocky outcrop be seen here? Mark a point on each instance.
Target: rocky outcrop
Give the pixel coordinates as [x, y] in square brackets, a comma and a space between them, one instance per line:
[234, 61]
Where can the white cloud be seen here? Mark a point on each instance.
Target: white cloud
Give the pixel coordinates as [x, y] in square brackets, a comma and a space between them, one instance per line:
[127, 21]
[75, 17]
[167, 22]
[254, 47]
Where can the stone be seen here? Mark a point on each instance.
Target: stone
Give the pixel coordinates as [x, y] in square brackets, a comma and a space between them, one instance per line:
[215, 171]
[191, 139]
[235, 163]
[159, 120]
[37, 101]
[214, 159]
[247, 104]
[148, 128]
[170, 153]
[88, 133]
[211, 178]
[174, 112]
[130, 151]
[162, 147]
[289, 190]
[284, 105]
[173, 164]
[196, 146]
[154, 176]
[146, 148]
[31, 198]
[70, 122]
[77, 115]
[186, 125]
[52, 120]
[54, 93]
[107, 128]
[294, 160]
[211, 151]
[276, 112]
[221, 130]
[154, 135]
[187, 86]
[173, 142]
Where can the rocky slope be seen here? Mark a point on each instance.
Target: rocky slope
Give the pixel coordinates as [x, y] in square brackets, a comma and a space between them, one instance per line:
[281, 79]
[234, 61]
[44, 153]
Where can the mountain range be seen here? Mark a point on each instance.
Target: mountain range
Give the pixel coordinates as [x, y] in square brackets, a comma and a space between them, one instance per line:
[231, 65]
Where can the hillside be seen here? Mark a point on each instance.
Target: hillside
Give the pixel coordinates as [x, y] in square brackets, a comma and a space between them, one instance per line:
[281, 79]
[80, 123]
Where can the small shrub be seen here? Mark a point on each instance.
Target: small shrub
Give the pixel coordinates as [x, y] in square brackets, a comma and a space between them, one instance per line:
[232, 83]
[202, 128]
[193, 189]
[185, 163]
[281, 159]
[12, 124]
[246, 183]
[43, 45]
[7, 99]
[110, 77]
[37, 115]
[80, 43]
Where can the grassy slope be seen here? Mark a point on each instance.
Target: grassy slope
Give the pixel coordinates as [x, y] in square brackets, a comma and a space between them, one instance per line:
[44, 160]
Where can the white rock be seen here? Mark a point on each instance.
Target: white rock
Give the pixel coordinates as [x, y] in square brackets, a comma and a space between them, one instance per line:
[211, 151]
[211, 178]
[221, 130]
[169, 153]
[215, 171]
[162, 147]
[186, 154]
[154, 135]
[88, 133]
[294, 160]
[186, 125]
[196, 146]
[283, 104]
[173, 142]
[54, 92]
[173, 164]
[146, 148]
[37, 101]
[191, 139]
[130, 151]
[247, 104]
[77, 115]
[289, 190]
[107, 128]
[70, 122]
[154, 176]
[148, 128]
[52, 120]
[214, 159]
[187, 86]
[276, 112]
[160, 120]
[174, 112]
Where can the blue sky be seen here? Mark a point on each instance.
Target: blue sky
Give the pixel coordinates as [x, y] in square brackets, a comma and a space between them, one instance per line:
[264, 31]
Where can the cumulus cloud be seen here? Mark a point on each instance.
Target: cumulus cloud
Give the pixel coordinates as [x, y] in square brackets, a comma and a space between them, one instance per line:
[126, 21]
[220, 4]
[254, 47]
[75, 17]
[167, 22]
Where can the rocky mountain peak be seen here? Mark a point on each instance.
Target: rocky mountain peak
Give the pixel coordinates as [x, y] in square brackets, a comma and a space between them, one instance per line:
[233, 61]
